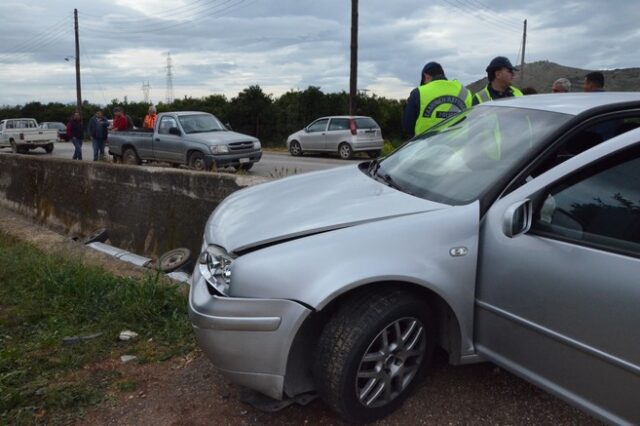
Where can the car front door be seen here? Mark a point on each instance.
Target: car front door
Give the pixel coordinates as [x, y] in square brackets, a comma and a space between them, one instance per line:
[559, 303]
[315, 135]
[167, 146]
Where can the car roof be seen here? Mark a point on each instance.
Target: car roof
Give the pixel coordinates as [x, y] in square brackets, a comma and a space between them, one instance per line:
[568, 103]
[188, 112]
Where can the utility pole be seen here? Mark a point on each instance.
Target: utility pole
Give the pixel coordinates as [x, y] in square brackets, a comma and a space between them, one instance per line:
[524, 44]
[78, 90]
[353, 80]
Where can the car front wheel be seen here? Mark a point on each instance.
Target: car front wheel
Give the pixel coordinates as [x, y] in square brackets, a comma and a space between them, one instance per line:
[196, 161]
[372, 353]
[295, 149]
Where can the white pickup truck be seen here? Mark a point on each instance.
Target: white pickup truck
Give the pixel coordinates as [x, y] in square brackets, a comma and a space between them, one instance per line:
[23, 134]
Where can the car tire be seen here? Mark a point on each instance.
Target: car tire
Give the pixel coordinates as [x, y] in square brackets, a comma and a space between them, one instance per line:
[344, 151]
[246, 167]
[174, 260]
[295, 149]
[196, 161]
[358, 373]
[374, 154]
[129, 156]
[48, 148]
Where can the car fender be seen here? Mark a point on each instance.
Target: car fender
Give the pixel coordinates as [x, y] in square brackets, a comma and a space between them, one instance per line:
[414, 249]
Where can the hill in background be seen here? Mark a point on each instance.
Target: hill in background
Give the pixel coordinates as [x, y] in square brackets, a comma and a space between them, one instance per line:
[541, 75]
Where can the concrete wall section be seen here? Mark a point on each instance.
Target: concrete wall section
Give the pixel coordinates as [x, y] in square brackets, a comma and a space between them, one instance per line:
[147, 210]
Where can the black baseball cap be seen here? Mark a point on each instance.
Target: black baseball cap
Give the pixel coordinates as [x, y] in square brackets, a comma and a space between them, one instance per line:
[500, 62]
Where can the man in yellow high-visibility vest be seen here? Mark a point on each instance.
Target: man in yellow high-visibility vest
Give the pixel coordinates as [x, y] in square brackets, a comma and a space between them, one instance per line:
[500, 75]
[435, 100]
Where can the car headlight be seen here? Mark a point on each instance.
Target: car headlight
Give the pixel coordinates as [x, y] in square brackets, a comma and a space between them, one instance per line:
[256, 145]
[214, 264]
[219, 149]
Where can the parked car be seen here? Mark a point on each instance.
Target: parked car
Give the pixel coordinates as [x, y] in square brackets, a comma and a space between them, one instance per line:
[61, 128]
[197, 139]
[509, 233]
[342, 134]
[23, 134]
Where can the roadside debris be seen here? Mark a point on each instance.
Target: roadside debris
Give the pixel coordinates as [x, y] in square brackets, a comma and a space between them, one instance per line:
[127, 335]
[128, 358]
[73, 340]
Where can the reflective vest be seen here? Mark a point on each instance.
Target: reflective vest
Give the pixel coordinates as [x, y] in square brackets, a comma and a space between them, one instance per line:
[439, 100]
[485, 96]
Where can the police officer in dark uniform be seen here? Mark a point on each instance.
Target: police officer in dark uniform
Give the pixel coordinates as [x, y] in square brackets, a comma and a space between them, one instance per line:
[500, 75]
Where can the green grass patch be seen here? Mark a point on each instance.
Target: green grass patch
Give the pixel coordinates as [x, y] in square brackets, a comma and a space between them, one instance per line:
[44, 298]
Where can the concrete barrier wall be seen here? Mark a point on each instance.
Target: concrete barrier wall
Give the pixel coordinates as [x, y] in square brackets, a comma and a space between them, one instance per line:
[147, 210]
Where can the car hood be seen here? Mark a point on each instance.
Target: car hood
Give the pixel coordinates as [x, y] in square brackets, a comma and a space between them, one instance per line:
[224, 137]
[304, 205]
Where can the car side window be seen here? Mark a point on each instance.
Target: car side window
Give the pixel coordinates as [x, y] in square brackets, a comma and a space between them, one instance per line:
[339, 124]
[318, 126]
[587, 138]
[165, 124]
[598, 207]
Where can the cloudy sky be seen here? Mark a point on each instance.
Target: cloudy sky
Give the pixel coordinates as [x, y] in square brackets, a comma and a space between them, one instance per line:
[223, 46]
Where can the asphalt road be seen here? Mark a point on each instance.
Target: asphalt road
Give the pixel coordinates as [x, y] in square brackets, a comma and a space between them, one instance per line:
[272, 164]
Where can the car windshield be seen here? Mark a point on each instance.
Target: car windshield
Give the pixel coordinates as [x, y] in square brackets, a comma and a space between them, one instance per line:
[458, 160]
[200, 123]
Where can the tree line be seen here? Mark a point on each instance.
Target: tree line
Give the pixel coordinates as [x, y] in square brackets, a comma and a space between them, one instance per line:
[252, 111]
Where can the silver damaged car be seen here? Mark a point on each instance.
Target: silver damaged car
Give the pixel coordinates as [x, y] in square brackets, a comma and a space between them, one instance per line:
[509, 233]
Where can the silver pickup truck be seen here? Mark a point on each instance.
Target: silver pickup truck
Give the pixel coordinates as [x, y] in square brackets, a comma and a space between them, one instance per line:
[196, 139]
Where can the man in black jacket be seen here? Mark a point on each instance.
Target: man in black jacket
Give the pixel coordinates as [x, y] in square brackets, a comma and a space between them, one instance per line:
[76, 134]
[98, 126]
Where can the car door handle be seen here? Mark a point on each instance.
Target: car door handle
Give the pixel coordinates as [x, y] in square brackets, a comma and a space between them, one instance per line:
[157, 139]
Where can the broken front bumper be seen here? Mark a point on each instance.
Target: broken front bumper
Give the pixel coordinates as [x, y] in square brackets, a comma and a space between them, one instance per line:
[248, 340]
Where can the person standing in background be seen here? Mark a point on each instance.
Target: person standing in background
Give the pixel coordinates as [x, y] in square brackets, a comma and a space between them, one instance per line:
[561, 85]
[594, 82]
[150, 118]
[75, 133]
[120, 122]
[435, 100]
[98, 126]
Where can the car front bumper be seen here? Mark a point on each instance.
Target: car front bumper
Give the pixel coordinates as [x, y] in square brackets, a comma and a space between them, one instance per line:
[224, 160]
[247, 340]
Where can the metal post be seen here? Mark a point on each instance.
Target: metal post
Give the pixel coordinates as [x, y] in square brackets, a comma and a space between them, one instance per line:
[78, 90]
[353, 80]
[524, 44]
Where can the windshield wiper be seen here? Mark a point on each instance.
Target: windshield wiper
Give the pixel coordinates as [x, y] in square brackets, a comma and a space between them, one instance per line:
[373, 167]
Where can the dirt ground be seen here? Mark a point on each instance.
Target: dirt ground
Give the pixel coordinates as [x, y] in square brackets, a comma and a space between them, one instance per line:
[188, 391]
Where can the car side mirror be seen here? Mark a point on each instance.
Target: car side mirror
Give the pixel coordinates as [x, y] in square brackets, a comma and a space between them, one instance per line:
[517, 218]
[228, 126]
[175, 131]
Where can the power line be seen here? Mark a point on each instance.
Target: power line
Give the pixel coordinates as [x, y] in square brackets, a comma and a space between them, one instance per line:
[165, 14]
[492, 13]
[39, 46]
[470, 13]
[44, 35]
[210, 12]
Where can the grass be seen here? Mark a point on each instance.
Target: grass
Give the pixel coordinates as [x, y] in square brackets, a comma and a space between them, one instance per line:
[44, 298]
